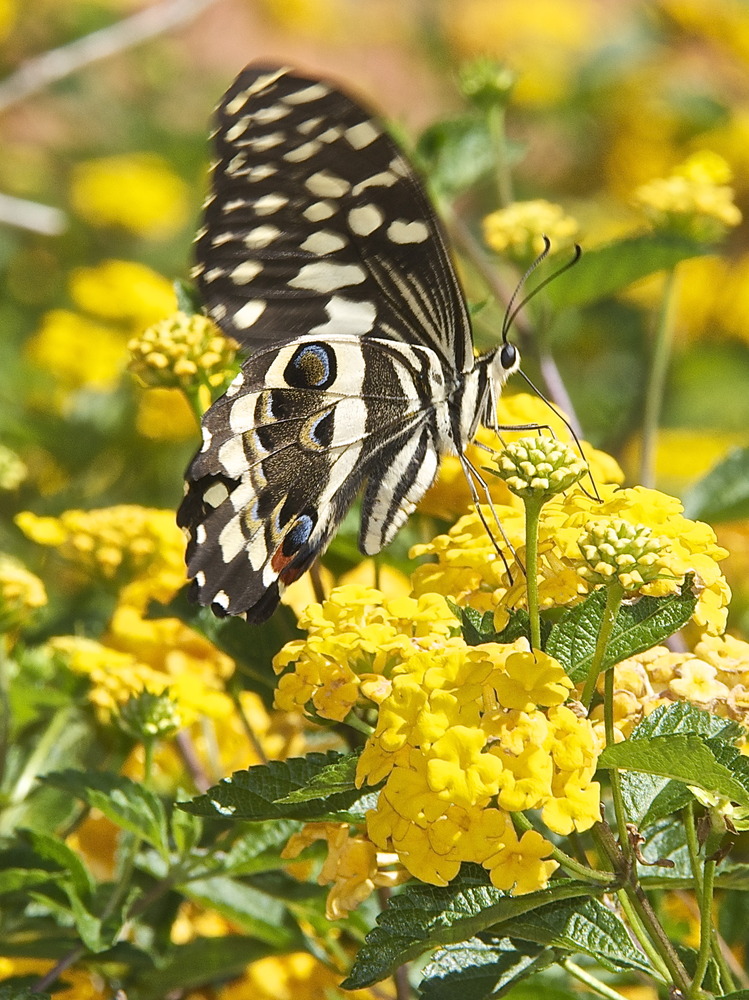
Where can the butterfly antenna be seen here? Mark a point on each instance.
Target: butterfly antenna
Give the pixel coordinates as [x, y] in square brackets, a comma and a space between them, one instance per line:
[512, 312]
[570, 428]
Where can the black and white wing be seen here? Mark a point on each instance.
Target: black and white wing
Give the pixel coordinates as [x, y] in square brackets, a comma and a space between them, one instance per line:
[317, 224]
[321, 254]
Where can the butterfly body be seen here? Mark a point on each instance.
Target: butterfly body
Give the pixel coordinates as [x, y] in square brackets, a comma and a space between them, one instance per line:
[321, 255]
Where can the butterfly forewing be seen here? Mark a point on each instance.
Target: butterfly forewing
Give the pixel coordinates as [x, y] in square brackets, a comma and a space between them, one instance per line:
[317, 224]
[321, 255]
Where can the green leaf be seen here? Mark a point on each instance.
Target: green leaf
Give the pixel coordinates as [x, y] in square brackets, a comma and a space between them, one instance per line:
[21, 993]
[17, 879]
[606, 270]
[477, 626]
[55, 850]
[188, 300]
[638, 626]
[125, 802]
[648, 797]
[736, 995]
[692, 760]
[332, 780]
[722, 494]
[476, 969]
[200, 963]
[456, 153]
[666, 839]
[421, 917]
[256, 794]
[585, 927]
[254, 912]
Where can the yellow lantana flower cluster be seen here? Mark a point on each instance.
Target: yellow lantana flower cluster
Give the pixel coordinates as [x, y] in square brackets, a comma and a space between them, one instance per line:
[181, 351]
[695, 200]
[714, 677]
[518, 231]
[467, 735]
[126, 544]
[354, 639]
[468, 569]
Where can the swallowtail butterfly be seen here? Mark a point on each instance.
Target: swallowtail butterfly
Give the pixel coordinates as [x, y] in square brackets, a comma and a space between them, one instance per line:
[321, 255]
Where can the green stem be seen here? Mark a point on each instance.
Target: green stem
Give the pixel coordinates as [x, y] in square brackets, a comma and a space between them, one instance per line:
[571, 865]
[664, 334]
[192, 396]
[249, 732]
[591, 982]
[496, 121]
[614, 777]
[706, 928]
[614, 595]
[641, 934]
[532, 513]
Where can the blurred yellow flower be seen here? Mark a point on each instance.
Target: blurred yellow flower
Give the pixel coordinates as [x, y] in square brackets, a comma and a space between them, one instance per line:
[543, 42]
[136, 191]
[13, 470]
[138, 548]
[517, 231]
[164, 415]
[77, 351]
[122, 291]
[21, 593]
[694, 201]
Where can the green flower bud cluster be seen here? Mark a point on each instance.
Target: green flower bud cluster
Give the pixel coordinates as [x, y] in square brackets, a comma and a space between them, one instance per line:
[148, 716]
[619, 550]
[537, 467]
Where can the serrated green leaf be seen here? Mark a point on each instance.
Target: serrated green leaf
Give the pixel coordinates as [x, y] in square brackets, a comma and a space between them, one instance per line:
[254, 912]
[689, 759]
[332, 780]
[666, 839]
[422, 917]
[683, 717]
[606, 270]
[475, 969]
[722, 494]
[639, 626]
[583, 926]
[125, 802]
[55, 850]
[255, 794]
[649, 798]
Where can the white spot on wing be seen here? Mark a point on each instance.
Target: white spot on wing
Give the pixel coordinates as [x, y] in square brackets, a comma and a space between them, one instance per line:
[327, 185]
[313, 93]
[262, 143]
[270, 114]
[231, 539]
[270, 203]
[215, 495]
[249, 313]
[260, 237]
[401, 231]
[232, 457]
[303, 152]
[323, 241]
[365, 219]
[318, 211]
[326, 276]
[384, 179]
[362, 135]
[246, 271]
[347, 317]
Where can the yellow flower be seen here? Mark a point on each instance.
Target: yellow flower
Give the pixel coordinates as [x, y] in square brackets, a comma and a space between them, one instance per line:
[183, 352]
[696, 682]
[353, 865]
[532, 678]
[164, 415]
[21, 593]
[122, 291]
[77, 351]
[139, 549]
[519, 865]
[694, 201]
[136, 191]
[517, 231]
[352, 636]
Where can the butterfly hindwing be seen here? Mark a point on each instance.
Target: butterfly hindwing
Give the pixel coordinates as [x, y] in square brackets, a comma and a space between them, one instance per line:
[304, 426]
[316, 224]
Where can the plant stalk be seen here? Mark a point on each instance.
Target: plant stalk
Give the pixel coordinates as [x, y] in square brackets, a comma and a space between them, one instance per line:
[663, 340]
[532, 513]
[614, 595]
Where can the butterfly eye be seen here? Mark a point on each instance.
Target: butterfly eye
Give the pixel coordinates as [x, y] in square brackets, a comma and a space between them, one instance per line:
[508, 356]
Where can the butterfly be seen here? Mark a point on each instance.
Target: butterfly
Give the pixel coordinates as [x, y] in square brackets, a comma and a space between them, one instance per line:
[322, 256]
